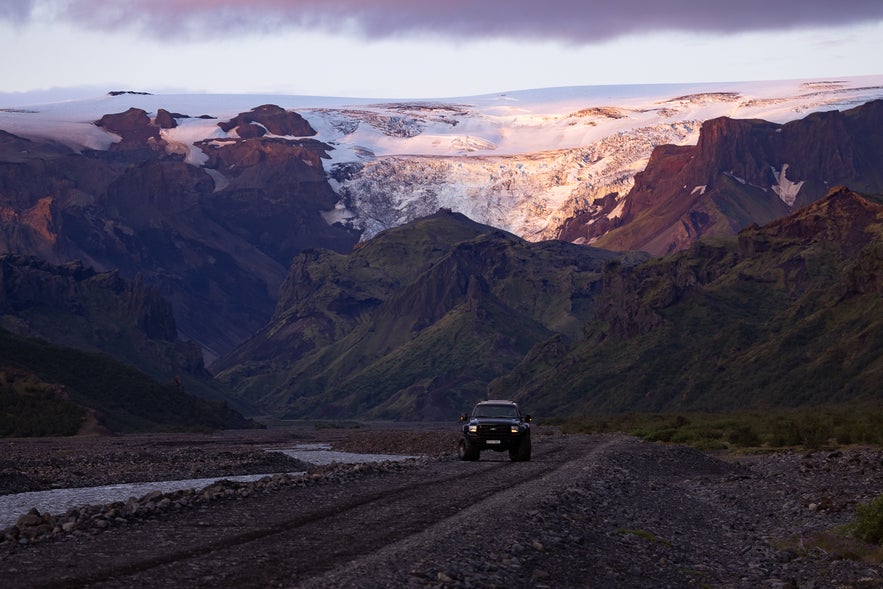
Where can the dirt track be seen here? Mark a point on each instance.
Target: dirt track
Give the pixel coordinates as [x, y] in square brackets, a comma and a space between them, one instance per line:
[587, 511]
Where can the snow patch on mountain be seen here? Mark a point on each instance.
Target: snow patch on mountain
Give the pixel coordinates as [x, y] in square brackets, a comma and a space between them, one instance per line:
[786, 189]
[523, 161]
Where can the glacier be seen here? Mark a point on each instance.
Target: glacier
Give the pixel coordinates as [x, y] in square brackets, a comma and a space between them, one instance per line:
[521, 161]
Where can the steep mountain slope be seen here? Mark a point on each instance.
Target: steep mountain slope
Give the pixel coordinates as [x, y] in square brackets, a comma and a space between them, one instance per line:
[210, 197]
[53, 390]
[215, 240]
[76, 307]
[415, 322]
[742, 172]
[789, 314]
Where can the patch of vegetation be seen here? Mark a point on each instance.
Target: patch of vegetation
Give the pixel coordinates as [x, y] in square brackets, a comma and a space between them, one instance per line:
[63, 383]
[31, 407]
[860, 540]
[835, 545]
[645, 535]
[868, 524]
[808, 428]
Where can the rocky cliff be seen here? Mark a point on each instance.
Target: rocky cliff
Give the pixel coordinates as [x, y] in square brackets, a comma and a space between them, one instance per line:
[414, 323]
[786, 314]
[741, 172]
[215, 240]
[76, 307]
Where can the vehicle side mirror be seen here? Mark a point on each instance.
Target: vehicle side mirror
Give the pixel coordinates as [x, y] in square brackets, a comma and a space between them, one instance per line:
[463, 417]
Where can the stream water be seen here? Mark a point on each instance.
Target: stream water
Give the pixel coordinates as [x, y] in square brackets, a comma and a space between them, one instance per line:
[58, 501]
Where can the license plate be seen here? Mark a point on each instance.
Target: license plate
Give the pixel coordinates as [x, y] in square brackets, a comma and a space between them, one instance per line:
[493, 441]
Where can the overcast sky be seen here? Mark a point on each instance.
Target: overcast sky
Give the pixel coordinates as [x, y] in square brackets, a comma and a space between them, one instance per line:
[425, 49]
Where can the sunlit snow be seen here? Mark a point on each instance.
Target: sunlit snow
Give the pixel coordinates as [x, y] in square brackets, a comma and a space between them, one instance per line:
[786, 189]
[522, 161]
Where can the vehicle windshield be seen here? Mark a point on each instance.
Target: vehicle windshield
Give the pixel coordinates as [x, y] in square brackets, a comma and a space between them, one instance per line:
[504, 411]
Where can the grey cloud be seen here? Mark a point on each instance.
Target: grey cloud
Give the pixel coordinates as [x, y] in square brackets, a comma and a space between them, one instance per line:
[15, 10]
[554, 20]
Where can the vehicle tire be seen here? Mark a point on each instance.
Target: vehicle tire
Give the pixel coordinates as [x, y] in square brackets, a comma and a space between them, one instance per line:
[525, 450]
[466, 451]
[521, 452]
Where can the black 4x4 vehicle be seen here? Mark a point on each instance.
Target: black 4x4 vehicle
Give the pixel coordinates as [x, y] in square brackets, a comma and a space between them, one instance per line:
[495, 425]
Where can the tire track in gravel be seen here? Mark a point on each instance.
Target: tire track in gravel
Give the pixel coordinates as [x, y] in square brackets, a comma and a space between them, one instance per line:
[281, 538]
[481, 521]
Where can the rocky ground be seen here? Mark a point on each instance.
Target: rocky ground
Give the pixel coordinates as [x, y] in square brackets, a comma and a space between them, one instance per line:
[588, 511]
[36, 464]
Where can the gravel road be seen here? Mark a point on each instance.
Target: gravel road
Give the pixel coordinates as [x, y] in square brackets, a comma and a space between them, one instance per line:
[587, 511]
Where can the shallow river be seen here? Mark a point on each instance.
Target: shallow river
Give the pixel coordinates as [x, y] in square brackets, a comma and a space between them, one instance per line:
[57, 501]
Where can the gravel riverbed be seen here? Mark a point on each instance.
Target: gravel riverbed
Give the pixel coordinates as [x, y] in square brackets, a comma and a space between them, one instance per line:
[606, 511]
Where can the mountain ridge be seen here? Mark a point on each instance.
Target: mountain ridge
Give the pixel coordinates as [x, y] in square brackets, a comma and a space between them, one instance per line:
[74, 306]
[788, 314]
[211, 210]
[458, 282]
[743, 172]
[137, 209]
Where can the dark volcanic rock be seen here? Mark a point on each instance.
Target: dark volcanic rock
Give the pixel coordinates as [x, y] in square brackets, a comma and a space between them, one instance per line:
[75, 306]
[277, 191]
[166, 120]
[218, 252]
[592, 223]
[268, 118]
[743, 172]
[135, 128]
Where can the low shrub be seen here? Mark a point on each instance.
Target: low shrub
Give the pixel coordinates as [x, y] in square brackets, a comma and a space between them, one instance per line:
[868, 523]
[834, 543]
[744, 436]
[810, 428]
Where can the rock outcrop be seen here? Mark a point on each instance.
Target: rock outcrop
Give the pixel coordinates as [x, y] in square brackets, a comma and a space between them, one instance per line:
[785, 314]
[215, 240]
[135, 129]
[268, 118]
[742, 172]
[428, 313]
[75, 306]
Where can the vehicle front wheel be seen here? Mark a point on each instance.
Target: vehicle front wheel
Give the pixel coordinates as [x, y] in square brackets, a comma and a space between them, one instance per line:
[521, 452]
[466, 451]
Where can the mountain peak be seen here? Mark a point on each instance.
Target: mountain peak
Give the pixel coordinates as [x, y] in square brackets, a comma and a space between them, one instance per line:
[747, 171]
[842, 216]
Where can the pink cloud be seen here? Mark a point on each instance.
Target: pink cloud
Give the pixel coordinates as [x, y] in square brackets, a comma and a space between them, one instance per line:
[562, 20]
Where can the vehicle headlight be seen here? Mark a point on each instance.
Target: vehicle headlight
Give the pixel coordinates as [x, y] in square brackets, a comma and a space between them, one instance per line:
[514, 429]
[473, 429]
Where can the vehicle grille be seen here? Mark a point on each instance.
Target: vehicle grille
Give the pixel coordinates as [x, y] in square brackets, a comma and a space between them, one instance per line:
[495, 430]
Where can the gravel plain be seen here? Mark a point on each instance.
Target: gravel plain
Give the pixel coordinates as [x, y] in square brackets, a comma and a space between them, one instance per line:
[588, 511]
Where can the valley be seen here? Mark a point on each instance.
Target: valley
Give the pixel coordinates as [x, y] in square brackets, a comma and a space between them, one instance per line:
[328, 258]
[440, 295]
